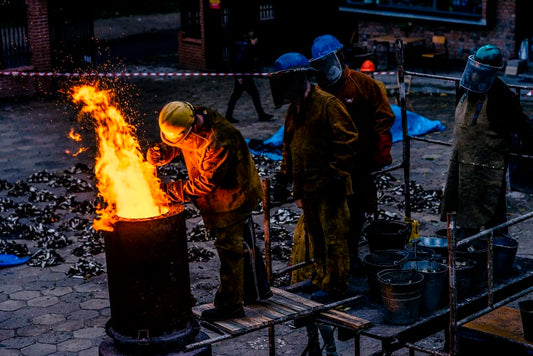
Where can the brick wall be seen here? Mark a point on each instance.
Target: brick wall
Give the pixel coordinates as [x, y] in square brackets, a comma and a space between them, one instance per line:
[39, 41]
[461, 38]
[191, 51]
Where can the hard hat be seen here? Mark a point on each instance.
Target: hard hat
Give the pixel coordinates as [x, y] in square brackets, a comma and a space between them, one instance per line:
[368, 66]
[289, 68]
[176, 120]
[490, 55]
[291, 62]
[323, 45]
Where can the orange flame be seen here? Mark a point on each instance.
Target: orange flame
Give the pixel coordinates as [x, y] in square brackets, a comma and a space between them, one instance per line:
[74, 136]
[128, 184]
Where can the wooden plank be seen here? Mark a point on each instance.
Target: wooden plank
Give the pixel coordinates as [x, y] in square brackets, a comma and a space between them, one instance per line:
[504, 322]
[282, 306]
[345, 319]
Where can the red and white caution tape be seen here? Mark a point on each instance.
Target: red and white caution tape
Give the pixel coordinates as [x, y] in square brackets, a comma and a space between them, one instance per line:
[143, 74]
[127, 74]
[529, 93]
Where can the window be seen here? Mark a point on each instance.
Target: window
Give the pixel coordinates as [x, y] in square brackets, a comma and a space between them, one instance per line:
[266, 12]
[463, 11]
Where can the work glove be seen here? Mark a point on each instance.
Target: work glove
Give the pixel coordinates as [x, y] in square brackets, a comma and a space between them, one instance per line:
[174, 190]
[382, 157]
[159, 154]
[280, 193]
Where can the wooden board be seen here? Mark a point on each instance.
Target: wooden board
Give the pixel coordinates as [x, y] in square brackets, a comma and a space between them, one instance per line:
[282, 306]
[503, 322]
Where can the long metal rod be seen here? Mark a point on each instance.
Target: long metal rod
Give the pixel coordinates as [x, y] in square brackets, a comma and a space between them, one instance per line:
[452, 291]
[268, 260]
[406, 140]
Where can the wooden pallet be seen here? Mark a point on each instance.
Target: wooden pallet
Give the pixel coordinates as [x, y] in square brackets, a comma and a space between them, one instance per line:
[282, 306]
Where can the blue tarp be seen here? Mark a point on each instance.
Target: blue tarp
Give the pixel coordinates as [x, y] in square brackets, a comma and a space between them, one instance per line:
[417, 125]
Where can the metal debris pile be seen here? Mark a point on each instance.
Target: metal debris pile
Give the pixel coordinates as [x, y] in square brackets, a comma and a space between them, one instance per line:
[44, 211]
[54, 211]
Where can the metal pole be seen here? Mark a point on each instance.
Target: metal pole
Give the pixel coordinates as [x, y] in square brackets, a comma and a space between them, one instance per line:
[268, 260]
[406, 143]
[450, 232]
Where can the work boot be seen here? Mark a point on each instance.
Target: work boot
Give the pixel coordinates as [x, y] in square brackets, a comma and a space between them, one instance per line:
[265, 117]
[218, 314]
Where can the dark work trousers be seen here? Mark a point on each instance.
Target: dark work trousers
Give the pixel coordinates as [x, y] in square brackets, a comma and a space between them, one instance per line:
[248, 85]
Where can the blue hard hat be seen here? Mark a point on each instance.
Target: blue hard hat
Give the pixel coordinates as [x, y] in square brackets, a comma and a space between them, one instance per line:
[291, 61]
[323, 45]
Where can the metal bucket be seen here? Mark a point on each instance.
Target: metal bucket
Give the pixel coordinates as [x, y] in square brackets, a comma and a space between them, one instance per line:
[464, 269]
[401, 291]
[438, 245]
[435, 274]
[476, 251]
[149, 286]
[504, 253]
[526, 316]
[379, 261]
[387, 235]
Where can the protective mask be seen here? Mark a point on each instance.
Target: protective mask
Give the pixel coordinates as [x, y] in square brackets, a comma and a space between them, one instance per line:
[329, 67]
[478, 77]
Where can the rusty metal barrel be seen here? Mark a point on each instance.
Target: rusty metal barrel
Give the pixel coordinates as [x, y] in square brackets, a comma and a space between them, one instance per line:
[149, 284]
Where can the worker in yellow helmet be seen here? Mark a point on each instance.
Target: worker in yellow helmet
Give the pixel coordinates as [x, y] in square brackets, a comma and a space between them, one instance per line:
[225, 186]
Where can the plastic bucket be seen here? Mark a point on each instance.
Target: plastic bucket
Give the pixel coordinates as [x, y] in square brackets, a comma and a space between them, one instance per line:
[526, 314]
[435, 274]
[464, 269]
[387, 235]
[504, 253]
[401, 291]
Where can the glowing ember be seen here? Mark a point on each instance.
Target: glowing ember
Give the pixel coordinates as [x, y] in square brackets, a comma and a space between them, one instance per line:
[128, 184]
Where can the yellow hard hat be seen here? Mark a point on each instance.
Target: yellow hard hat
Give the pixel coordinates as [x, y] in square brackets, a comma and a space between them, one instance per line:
[175, 121]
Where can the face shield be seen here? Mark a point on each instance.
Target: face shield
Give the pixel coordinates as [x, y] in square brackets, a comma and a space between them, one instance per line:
[478, 77]
[287, 86]
[329, 69]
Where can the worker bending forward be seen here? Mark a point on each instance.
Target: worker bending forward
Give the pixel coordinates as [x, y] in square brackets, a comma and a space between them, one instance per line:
[223, 184]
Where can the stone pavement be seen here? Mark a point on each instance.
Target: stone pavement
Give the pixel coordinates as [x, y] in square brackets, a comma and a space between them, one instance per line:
[47, 311]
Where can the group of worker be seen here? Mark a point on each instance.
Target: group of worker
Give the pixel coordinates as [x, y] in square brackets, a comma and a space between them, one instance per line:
[336, 133]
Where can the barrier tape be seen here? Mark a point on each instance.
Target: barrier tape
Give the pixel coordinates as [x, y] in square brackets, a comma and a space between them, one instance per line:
[147, 74]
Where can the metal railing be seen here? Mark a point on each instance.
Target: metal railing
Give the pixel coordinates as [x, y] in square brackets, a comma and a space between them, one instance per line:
[451, 226]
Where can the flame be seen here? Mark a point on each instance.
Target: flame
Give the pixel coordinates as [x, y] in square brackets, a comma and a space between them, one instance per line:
[128, 184]
[74, 136]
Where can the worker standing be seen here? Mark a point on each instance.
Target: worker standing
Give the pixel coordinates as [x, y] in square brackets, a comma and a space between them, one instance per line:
[486, 115]
[246, 59]
[372, 114]
[318, 153]
[224, 185]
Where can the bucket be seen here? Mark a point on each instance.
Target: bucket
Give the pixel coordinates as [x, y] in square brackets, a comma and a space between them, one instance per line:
[464, 268]
[438, 245]
[379, 261]
[476, 251]
[504, 253]
[435, 274]
[419, 253]
[526, 314]
[387, 235]
[401, 291]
